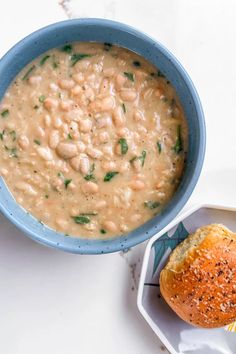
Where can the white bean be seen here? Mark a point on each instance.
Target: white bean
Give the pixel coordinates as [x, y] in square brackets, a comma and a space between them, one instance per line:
[109, 72]
[110, 226]
[137, 165]
[57, 122]
[54, 139]
[66, 105]
[128, 95]
[120, 81]
[4, 172]
[103, 137]
[137, 185]
[118, 117]
[50, 104]
[47, 120]
[62, 224]
[35, 80]
[90, 187]
[65, 128]
[89, 93]
[107, 104]
[138, 115]
[94, 153]
[66, 84]
[45, 153]
[27, 188]
[108, 150]
[101, 204]
[135, 217]
[79, 77]
[85, 125]
[104, 122]
[67, 150]
[53, 87]
[80, 146]
[76, 91]
[23, 142]
[41, 132]
[124, 167]
[109, 166]
[105, 85]
[82, 65]
[123, 132]
[84, 164]
[75, 163]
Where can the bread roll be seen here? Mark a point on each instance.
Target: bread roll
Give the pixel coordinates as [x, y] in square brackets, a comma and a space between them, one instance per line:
[199, 280]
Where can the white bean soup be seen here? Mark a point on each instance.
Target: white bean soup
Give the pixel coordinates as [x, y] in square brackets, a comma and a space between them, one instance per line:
[93, 140]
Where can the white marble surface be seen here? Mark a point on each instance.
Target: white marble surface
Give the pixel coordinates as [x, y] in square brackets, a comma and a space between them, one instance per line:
[51, 302]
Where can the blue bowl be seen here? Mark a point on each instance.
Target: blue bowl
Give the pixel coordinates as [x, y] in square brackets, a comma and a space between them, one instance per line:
[100, 30]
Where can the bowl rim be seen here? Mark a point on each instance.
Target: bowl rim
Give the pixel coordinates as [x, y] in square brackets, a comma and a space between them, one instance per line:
[116, 244]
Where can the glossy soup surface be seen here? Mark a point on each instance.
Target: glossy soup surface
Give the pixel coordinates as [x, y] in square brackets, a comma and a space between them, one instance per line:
[93, 140]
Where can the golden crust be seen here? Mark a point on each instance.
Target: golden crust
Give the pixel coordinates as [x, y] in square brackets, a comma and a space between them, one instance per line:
[199, 280]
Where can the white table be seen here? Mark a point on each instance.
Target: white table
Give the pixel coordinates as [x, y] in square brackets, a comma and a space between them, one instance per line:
[56, 303]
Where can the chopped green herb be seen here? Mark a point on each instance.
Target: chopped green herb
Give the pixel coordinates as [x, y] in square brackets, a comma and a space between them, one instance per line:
[12, 151]
[81, 219]
[90, 176]
[136, 63]
[89, 214]
[67, 48]
[42, 98]
[60, 174]
[5, 113]
[44, 59]
[37, 142]
[78, 56]
[143, 157]
[103, 231]
[54, 62]
[123, 107]
[133, 159]
[159, 147]
[173, 108]
[46, 196]
[28, 73]
[13, 135]
[67, 182]
[59, 94]
[2, 135]
[151, 205]
[123, 145]
[107, 46]
[36, 107]
[129, 76]
[69, 136]
[109, 176]
[164, 98]
[179, 143]
[157, 74]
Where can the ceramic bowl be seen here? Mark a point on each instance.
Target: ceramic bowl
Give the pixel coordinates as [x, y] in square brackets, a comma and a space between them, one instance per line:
[100, 30]
[178, 336]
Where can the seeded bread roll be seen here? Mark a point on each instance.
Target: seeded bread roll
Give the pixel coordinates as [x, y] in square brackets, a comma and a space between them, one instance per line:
[199, 280]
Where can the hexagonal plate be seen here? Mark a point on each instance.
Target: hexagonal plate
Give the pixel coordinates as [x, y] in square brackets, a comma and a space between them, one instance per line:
[178, 336]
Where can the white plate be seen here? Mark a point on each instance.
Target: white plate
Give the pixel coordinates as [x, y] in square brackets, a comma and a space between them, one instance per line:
[178, 336]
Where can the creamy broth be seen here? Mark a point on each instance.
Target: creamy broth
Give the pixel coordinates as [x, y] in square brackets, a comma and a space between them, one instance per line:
[93, 140]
